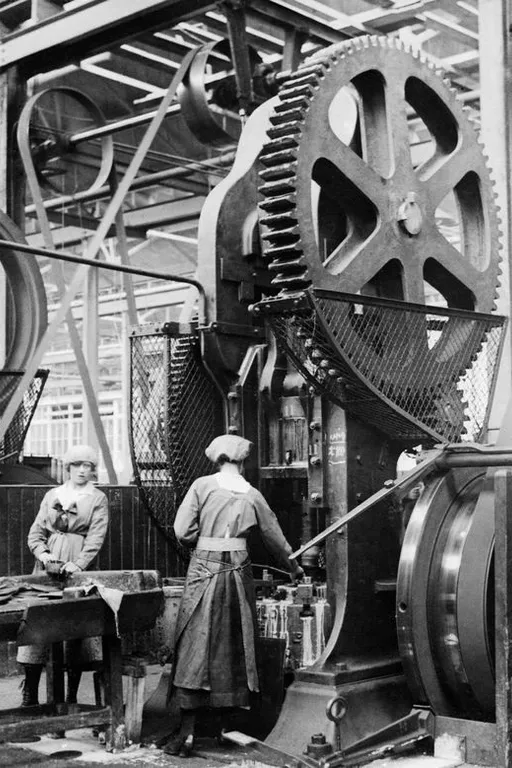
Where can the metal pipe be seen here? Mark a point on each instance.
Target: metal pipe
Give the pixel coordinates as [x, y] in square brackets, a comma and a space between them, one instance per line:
[499, 458]
[142, 182]
[119, 125]
[63, 256]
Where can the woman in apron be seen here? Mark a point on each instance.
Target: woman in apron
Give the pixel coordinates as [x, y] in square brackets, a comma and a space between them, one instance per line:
[214, 660]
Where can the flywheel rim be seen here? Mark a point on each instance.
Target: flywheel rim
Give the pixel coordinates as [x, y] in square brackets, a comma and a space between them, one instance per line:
[445, 596]
[27, 291]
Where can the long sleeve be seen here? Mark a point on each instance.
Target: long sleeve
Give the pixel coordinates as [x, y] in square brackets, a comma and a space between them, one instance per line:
[38, 534]
[271, 533]
[95, 537]
[186, 523]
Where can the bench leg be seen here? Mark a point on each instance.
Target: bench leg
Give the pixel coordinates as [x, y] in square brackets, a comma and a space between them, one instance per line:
[112, 668]
[135, 689]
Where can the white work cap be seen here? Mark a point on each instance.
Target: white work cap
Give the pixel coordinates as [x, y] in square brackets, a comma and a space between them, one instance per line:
[79, 453]
[233, 447]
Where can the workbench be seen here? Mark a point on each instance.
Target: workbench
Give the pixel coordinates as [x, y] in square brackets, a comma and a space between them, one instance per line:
[52, 617]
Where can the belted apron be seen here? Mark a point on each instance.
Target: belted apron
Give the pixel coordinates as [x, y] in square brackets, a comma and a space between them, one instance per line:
[215, 634]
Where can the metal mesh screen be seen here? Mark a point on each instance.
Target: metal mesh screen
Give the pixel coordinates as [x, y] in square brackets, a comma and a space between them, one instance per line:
[415, 372]
[12, 443]
[174, 411]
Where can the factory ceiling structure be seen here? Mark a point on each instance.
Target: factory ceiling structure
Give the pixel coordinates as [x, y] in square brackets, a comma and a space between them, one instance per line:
[83, 80]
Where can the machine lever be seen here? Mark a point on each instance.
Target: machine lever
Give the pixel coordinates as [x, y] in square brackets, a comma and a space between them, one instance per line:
[392, 486]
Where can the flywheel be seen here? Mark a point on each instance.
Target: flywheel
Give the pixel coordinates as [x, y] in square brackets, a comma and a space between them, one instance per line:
[445, 596]
[368, 215]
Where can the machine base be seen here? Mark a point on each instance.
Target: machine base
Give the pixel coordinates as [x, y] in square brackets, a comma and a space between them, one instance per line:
[371, 704]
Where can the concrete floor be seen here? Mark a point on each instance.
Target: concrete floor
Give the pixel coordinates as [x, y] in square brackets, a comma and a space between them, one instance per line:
[81, 749]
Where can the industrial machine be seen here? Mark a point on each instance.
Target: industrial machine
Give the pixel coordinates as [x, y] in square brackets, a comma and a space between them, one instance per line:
[350, 261]
[349, 265]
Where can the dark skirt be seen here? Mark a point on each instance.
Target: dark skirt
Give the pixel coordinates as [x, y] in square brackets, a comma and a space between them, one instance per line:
[215, 648]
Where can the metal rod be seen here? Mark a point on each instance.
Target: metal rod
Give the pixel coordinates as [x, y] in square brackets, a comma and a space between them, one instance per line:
[120, 125]
[409, 478]
[445, 457]
[499, 459]
[142, 182]
[63, 256]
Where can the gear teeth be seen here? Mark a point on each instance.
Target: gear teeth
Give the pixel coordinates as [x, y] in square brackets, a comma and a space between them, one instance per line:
[290, 117]
[279, 172]
[278, 158]
[279, 204]
[285, 123]
[284, 253]
[288, 266]
[279, 145]
[298, 103]
[291, 282]
[297, 91]
[284, 237]
[285, 221]
[277, 188]
[316, 70]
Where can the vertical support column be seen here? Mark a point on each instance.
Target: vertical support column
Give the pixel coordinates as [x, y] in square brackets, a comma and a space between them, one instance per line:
[90, 337]
[503, 621]
[125, 399]
[496, 114]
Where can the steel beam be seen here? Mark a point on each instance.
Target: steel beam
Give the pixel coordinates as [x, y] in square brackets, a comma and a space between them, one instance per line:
[496, 134]
[503, 626]
[92, 27]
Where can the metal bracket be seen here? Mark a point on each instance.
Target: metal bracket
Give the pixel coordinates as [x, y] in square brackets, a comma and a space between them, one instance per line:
[400, 736]
[233, 329]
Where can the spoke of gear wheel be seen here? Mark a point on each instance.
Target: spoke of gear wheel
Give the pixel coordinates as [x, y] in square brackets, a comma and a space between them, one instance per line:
[363, 214]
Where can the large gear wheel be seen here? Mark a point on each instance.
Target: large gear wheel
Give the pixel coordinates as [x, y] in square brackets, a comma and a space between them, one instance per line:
[363, 216]
[369, 156]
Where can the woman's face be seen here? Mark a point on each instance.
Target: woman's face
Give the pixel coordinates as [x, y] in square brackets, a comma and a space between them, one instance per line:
[81, 472]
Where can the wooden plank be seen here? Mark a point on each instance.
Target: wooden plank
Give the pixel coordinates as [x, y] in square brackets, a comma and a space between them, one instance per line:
[88, 617]
[24, 725]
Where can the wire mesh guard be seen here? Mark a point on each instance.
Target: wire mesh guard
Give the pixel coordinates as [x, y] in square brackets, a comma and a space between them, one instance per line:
[415, 372]
[12, 443]
[172, 417]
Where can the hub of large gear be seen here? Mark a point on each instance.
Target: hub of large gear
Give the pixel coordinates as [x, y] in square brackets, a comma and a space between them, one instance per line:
[348, 203]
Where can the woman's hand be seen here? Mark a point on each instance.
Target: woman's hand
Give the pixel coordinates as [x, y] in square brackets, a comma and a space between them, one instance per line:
[46, 557]
[70, 568]
[298, 574]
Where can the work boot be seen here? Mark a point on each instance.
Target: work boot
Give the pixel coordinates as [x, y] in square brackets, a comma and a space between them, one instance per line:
[74, 676]
[30, 685]
[182, 743]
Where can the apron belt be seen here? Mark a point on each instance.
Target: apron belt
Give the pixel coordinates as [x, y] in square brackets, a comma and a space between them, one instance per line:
[214, 544]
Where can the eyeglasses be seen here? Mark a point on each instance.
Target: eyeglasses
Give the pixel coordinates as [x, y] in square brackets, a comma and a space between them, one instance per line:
[84, 464]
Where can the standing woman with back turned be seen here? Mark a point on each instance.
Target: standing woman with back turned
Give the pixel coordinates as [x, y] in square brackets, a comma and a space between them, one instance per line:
[215, 660]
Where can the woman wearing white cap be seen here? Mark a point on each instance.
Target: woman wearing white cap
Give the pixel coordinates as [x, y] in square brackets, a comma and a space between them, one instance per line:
[214, 662]
[70, 528]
